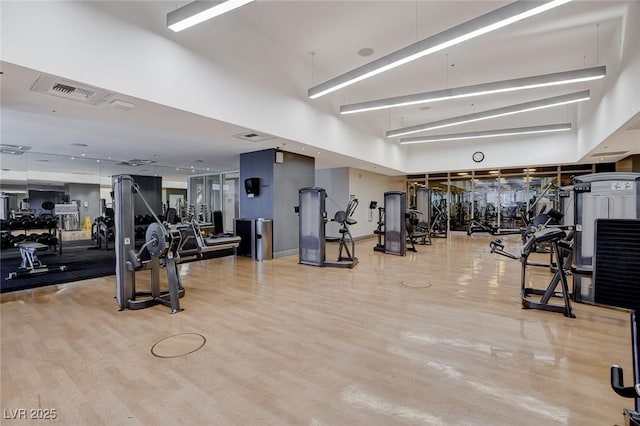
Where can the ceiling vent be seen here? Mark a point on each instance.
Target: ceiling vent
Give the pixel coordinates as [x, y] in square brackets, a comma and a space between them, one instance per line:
[120, 104]
[66, 89]
[15, 147]
[609, 154]
[253, 136]
[135, 162]
[10, 151]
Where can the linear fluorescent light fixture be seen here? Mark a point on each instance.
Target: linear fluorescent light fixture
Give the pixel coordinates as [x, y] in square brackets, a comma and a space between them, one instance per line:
[493, 113]
[488, 134]
[506, 15]
[534, 82]
[199, 11]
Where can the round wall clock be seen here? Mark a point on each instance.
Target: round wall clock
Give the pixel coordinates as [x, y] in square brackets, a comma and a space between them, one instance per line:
[478, 156]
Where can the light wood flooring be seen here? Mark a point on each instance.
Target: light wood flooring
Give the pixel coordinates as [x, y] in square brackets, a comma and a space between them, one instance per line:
[434, 338]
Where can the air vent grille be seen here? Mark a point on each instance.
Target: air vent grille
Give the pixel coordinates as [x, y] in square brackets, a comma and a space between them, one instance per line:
[50, 85]
[609, 154]
[15, 147]
[253, 136]
[11, 151]
[135, 162]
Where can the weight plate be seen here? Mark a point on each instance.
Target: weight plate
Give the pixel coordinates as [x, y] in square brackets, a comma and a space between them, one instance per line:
[155, 233]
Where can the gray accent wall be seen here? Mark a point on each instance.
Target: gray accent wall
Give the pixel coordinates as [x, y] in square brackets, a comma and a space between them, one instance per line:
[88, 194]
[297, 171]
[279, 185]
[336, 183]
[259, 165]
[151, 189]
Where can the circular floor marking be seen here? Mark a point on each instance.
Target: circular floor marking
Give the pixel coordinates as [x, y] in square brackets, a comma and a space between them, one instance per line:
[415, 285]
[178, 345]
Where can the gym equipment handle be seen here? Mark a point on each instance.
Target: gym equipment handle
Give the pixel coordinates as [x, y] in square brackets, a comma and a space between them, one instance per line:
[617, 383]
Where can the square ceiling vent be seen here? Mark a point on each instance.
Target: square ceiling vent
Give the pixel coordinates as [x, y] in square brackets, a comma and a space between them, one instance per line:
[55, 86]
[253, 136]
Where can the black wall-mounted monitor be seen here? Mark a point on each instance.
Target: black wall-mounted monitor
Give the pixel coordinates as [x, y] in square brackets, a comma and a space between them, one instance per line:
[252, 187]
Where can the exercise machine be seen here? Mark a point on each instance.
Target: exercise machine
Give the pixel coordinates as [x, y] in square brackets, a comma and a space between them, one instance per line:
[415, 235]
[312, 236]
[379, 231]
[161, 245]
[528, 217]
[395, 206]
[199, 238]
[562, 250]
[613, 195]
[632, 417]
[30, 264]
[102, 229]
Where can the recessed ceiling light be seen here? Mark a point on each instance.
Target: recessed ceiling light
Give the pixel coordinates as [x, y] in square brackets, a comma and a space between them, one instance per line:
[494, 172]
[73, 158]
[83, 154]
[365, 51]
[463, 174]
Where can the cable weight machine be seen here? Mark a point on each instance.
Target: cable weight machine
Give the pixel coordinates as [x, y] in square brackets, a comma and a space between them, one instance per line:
[161, 244]
[312, 236]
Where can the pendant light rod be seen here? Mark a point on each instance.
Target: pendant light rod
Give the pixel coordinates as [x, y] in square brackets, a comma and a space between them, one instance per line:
[494, 113]
[533, 82]
[506, 15]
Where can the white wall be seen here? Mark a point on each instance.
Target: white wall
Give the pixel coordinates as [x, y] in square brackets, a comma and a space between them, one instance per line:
[336, 183]
[342, 183]
[367, 187]
[622, 99]
[114, 54]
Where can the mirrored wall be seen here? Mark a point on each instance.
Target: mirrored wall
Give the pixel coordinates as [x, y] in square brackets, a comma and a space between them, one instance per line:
[214, 192]
[499, 198]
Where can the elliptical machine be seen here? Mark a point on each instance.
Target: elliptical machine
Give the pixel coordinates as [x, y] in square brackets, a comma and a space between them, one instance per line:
[344, 219]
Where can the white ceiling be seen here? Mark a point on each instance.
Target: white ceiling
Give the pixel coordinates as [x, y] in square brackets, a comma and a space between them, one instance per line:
[572, 36]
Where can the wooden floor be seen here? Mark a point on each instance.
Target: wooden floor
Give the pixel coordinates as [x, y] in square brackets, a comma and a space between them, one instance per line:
[435, 338]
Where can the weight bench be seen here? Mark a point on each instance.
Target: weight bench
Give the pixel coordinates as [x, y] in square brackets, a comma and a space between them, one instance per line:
[30, 264]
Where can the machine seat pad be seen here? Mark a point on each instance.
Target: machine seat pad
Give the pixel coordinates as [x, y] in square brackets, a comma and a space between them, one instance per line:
[218, 241]
[31, 246]
[549, 234]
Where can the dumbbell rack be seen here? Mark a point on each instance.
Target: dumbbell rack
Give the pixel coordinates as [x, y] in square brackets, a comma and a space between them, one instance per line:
[26, 230]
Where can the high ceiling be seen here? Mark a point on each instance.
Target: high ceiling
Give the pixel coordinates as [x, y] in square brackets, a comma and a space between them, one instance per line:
[327, 36]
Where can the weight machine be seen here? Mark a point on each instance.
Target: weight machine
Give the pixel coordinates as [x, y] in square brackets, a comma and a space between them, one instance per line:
[562, 250]
[161, 244]
[312, 237]
[632, 417]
